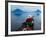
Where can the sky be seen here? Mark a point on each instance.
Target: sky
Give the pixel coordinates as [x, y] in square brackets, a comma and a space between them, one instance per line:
[25, 8]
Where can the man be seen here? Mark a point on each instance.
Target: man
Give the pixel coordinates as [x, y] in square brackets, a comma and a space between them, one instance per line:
[28, 25]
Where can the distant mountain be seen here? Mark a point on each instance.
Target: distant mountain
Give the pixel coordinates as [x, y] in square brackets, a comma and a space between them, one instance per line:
[37, 12]
[17, 12]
